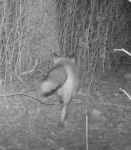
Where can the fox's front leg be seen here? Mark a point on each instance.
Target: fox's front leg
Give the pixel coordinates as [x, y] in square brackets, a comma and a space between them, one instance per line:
[63, 116]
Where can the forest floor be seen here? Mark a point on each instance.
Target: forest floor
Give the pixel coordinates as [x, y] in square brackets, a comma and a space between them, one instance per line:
[27, 124]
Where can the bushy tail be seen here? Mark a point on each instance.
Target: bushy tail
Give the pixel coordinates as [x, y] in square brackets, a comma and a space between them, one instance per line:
[54, 80]
[48, 88]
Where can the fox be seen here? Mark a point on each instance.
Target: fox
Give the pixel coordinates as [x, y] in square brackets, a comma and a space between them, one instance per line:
[62, 80]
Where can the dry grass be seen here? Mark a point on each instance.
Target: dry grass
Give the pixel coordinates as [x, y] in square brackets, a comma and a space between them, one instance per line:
[27, 38]
[90, 30]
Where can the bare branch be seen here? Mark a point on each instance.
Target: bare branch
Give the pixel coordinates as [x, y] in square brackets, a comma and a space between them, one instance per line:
[24, 94]
[122, 50]
[124, 91]
[87, 132]
[32, 70]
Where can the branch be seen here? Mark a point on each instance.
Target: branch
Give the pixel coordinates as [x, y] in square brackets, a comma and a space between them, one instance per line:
[32, 70]
[23, 93]
[125, 93]
[74, 101]
[122, 50]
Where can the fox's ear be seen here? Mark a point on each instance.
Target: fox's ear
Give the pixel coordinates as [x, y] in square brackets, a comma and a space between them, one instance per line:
[55, 56]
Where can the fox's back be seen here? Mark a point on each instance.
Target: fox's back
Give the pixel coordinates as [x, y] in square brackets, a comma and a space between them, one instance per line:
[68, 66]
[72, 75]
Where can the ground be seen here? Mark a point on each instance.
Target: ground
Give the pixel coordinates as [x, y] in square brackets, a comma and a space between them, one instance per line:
[26, 124]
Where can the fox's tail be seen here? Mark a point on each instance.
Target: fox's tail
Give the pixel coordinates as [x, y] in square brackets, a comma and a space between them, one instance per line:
[49, 87]
[54, 80]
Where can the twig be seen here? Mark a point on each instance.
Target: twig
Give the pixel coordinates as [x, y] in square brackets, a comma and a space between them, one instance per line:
[32, 70]
[17, 76]
[110, 104]
[86, 132]
[124, 91]
[22, 93]
[41, 72]
[35, 98]
[91, 81]
[74, 101]
[122, 50]
[25, 91]
[19, 93]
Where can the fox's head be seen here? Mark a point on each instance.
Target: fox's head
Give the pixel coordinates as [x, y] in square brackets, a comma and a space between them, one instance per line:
[58, 58]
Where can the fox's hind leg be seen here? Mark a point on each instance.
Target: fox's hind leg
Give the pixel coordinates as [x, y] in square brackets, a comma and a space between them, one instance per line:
[66, 99]
[64, 113]
[63, 116]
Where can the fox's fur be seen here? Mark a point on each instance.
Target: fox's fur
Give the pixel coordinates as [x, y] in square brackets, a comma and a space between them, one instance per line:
[62, 79]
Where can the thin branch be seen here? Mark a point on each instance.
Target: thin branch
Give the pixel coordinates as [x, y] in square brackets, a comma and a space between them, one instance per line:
[35, 98]
[122, 50]
[32, 70]
[86, 132]
[124, 91]
[22, 93]
[110, 104]
[74, 100]
[13, 94]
